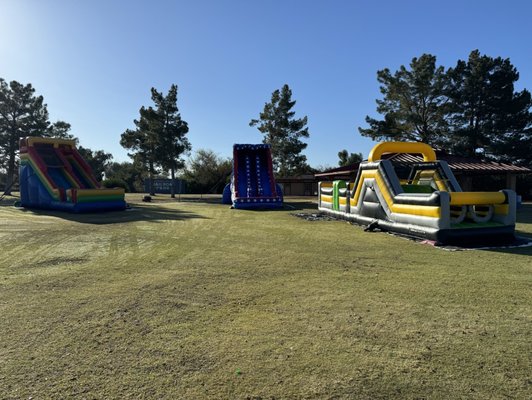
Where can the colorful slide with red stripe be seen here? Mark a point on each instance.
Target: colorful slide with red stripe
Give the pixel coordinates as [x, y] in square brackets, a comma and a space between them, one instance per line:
[53, 175]
[252, 182]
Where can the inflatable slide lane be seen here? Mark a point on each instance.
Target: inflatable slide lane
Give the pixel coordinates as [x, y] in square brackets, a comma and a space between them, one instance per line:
[252, 181]
[53, 175]
[421, 199]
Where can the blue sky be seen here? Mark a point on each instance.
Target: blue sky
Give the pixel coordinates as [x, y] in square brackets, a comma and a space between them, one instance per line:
[95, 61]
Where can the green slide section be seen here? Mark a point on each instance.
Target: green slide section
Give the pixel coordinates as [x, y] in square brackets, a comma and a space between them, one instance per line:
[337, 185]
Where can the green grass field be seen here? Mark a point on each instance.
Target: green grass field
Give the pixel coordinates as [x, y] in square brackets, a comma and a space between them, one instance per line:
[193, 300]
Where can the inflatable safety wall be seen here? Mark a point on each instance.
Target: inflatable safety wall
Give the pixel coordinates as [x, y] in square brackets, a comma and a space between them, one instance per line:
[252, 181]
[426, 202]
[53, 175]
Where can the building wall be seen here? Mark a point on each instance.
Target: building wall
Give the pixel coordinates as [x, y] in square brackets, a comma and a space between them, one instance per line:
[298, 188]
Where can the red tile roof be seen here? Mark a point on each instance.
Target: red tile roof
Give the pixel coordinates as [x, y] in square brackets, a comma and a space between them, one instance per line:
[456, 163]
[464, 164]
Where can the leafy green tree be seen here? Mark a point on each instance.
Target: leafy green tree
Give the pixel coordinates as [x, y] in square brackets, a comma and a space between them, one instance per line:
[414, 105]
[207, 172]
[489, 118]
[98, 160]
[124, 174]
[347, 158]
[283, 132]
[22, 114]
[172, 131]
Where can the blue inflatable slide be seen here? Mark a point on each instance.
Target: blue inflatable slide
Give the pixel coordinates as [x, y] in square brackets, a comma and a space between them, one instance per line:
[252, 183]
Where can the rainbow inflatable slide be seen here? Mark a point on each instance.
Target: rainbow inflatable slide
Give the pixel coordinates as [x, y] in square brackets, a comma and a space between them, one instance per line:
[420, 199]
[53, 175]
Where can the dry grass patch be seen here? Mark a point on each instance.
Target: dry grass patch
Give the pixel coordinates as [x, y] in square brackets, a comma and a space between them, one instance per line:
[193, 300]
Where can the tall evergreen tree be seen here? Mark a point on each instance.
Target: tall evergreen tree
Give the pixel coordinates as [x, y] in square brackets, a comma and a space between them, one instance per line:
[144, 142]
[346, 158]
[159, 138]
[489, 118]
[515, 147]
[172, 130]
[22, 113]
[283, 132]
[414, 104]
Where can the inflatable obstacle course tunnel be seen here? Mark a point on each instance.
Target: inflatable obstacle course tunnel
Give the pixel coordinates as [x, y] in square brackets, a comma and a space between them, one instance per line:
[420, 199]
[53, 175]
[252, 183]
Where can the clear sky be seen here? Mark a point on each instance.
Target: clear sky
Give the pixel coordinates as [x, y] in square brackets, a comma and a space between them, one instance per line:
[95, 61]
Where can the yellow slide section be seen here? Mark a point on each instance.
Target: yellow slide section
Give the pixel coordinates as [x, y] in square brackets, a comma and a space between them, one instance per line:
[402, 147]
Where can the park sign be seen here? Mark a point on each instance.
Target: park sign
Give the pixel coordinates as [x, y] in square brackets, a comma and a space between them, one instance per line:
[164, 186]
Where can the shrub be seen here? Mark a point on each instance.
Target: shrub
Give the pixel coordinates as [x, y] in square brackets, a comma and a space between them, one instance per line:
[116, 182]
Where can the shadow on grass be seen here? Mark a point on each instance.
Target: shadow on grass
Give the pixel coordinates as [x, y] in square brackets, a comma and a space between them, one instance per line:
[524, 214]
[287, 206]
[137, 212]
[301, 205]
[522, 251]
[183, 198]
[8, 201]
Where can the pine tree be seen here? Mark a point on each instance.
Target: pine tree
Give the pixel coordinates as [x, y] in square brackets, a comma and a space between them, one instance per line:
[172, 130]
[283, 132]
[21, 114]
[159, 138]
[347, 158]
[414, 105]
[60, 130]
[144, 142]
[489, 118]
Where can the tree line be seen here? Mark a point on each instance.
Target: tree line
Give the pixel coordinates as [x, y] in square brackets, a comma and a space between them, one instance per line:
[471, 109]
[157, 143]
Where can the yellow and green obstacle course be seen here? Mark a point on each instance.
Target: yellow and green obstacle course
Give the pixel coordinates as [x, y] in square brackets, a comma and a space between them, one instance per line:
[426, 202]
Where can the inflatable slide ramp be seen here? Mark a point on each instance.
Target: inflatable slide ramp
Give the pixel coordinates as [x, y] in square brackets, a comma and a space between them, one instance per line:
[53, 175]
[252, 183]
[420, 199]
